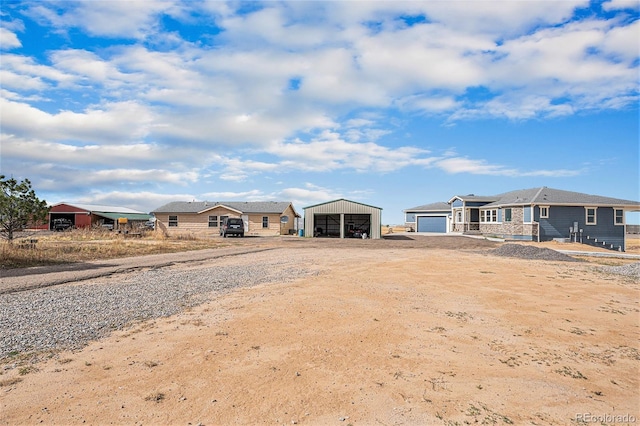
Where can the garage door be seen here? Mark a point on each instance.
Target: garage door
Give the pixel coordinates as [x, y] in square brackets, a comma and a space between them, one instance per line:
[432, 224]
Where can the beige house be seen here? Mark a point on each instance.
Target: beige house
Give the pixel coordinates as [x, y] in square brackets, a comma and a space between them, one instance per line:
[261, 218]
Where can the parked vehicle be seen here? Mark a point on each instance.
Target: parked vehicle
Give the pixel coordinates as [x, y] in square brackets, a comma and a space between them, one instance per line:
[232, 226]
[61, 224]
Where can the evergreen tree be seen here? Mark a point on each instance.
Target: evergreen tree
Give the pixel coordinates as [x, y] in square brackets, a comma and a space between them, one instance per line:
[20, 208]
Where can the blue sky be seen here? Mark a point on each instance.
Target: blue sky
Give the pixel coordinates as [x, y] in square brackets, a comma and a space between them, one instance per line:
[392, 104]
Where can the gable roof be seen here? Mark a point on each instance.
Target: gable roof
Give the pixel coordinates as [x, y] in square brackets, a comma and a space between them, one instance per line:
[477, 198]
[541, 195]
[240, 206]
[342, 199]
[550, 196]
[439, 206]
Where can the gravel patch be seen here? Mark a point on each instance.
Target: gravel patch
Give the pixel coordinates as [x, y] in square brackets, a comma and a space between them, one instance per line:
[69, 316]
[631, 270]
[530, 252]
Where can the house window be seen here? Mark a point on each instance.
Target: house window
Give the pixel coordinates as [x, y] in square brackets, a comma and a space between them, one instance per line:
[619, 217]
[222, 219]
[265, 221]
[507, 215]
[590, 215]
[213, 221]
[489, 215]
[173, 220]
[544, 212]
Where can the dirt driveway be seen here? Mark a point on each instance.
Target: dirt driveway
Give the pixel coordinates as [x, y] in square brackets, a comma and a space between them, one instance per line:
[395, 332]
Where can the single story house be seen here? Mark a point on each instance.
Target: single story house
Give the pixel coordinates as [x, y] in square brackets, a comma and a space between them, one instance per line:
[261, 218]
[342, 219]
[80, 215]
[537, 214]
[434, 217]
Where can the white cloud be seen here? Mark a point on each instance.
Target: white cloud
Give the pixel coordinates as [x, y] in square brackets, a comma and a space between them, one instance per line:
[501, 18]
[28, 69]
[429, 104]
[86, 67]
[310, 87]
[232, 196]
[331, 152]
[456, 165]
[8, 39]
[112, 123]
[133, 175]
[309, 194]
[620, 4]
[115, 18]
[144, 201]
[19, 82]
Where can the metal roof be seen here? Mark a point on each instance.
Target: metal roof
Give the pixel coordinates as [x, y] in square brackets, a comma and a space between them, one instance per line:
[240, 206]
[342, 199]
[100, 208]
[129, 216]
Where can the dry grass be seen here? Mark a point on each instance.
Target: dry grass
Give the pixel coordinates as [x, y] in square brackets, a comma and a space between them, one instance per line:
[86, 245]
[391, 229]
[633, 243]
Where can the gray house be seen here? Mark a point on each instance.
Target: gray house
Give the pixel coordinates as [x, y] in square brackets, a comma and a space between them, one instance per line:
[538, 214]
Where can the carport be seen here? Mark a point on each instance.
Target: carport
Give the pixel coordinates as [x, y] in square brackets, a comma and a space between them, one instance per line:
[342, 219]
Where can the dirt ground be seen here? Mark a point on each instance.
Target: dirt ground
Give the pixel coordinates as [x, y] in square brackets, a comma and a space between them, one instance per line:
[385, 333]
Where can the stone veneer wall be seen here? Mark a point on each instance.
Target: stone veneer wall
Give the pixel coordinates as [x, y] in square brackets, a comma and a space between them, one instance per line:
[514, 229]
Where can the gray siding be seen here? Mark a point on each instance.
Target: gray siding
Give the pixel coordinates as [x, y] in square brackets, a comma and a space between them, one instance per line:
[561, 218]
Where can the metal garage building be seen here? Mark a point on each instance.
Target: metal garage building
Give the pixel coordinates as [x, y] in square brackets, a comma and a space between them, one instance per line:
[342, 219]
[435, 218]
